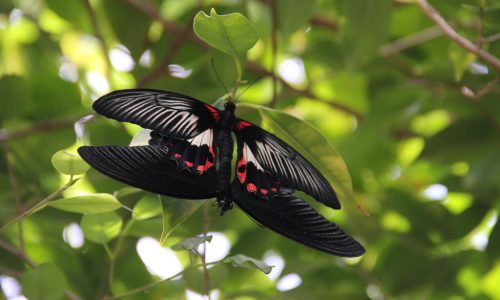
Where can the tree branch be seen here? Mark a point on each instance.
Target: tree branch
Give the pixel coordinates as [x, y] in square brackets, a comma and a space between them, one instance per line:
[50, 125]
[306, 93]
[434, 15]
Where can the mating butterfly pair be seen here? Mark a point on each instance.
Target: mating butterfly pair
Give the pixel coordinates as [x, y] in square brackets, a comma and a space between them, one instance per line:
[189, 157]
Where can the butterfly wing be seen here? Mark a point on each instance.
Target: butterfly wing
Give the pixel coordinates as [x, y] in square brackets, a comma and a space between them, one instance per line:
[265, 154]
[150, 168]
[296, 220]
[172, 114]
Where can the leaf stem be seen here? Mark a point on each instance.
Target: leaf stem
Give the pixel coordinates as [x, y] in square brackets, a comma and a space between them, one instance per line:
[237, 64]
[40, 205]
[156, 283]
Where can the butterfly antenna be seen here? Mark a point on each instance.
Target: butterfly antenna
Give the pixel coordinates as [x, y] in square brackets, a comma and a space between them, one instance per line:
[218, 77]
[249, 86]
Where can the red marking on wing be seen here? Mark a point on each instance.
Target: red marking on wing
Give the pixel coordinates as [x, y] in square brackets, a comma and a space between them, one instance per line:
[208, 163]
[200, 169]
[264, 192]
[251, 188]
[242, 124]
[242, 175]
[213, 111]
[274, 190]
[188, 164]
[177, 155]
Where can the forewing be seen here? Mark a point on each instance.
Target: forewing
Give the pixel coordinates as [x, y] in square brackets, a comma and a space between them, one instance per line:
[295, 219]
[150, 168]
[172, 114]
[284, 163]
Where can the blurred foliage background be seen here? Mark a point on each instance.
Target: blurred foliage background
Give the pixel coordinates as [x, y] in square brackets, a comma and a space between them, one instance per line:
[414, 114]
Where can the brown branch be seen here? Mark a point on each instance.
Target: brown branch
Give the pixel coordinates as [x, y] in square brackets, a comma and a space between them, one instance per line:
[44, 126]
[410, 41]
[15, 191]
[149, 9]
[274, 50]
[324, 22]
[307, 92]
[172, 51]
[434, 15]
[17, 252]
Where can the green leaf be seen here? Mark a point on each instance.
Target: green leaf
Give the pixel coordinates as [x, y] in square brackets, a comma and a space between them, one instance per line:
[244, 261]
[68, 163]
[176, 211]
[232, 34]
[88, 204]
[101, 228]
[45, 282]
[148, 207]
[192, 243]
[312, 145]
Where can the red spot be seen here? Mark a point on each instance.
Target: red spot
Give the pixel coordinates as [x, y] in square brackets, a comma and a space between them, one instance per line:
[264, 191]
[241, 175]
[251, 188]
[208, 163]
[177, 155]
[242, 124]
[274, 190]
[200, 169]
[213, 111]
[188, 164]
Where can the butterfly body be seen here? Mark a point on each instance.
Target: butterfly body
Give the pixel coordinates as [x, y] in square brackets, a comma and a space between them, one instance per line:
[189, 156]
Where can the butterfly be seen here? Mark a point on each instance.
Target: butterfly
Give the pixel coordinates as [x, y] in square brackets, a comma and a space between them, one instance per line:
[189, 156]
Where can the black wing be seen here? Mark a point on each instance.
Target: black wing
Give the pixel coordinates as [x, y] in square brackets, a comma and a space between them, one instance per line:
[172, 114]
[287, 167]
[295, 219]
[150, 168]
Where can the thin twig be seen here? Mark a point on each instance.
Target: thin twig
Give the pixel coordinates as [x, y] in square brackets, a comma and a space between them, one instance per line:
[274, 49]
[150, 10]
[431, 12]
[156, 283]
[307, 92]
[15, 191]
[44, 126]
[39, 205]
[162, 68]
[206, 225]
[17, 252]
[493, 38]
[487, 88]
[410, 41]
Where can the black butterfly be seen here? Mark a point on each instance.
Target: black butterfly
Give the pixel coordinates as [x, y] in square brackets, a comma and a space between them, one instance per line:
[189, 156]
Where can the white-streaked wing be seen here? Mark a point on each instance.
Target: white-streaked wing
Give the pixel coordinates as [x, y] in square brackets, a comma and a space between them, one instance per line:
[284, 163]
[172, 114]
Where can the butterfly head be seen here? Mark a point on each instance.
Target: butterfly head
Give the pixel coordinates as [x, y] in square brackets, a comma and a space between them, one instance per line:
[228, 119]
[229, 106]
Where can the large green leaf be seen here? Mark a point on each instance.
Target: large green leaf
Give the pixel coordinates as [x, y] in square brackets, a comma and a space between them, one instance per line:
[101, 228]
[148, 207]
[45, 282]
[68, 163]
[312, 145]
[176, 211]
[232, 34]
[88, 204]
